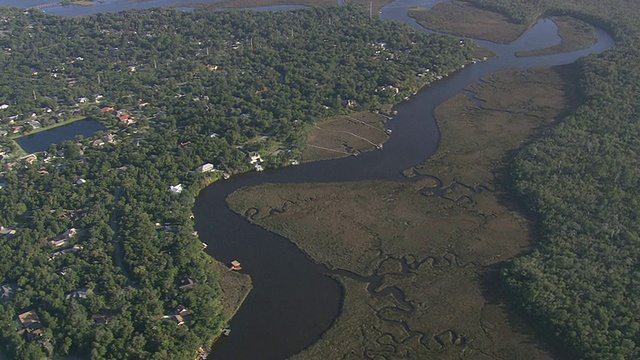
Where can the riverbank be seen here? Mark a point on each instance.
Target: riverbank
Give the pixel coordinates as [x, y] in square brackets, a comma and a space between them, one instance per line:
[416, 259]
[375, 5]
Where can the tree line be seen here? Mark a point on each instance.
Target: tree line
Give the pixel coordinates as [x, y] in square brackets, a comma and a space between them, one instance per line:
[581, 284]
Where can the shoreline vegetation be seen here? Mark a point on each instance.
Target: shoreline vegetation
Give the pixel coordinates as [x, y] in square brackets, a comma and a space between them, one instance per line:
[133, 279]
[77, 2]
[415, 295]
[376, 5]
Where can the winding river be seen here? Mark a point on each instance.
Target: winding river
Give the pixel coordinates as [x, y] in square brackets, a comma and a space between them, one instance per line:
[294, 301]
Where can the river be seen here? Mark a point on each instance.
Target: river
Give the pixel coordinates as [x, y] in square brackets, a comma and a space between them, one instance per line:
[294, 301]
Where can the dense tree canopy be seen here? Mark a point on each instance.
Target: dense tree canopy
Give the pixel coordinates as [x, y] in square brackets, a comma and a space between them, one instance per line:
[582, 283]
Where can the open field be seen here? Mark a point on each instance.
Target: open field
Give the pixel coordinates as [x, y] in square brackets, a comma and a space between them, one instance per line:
[345, 136]
[575, 35]
[459, 18]
[417, 259]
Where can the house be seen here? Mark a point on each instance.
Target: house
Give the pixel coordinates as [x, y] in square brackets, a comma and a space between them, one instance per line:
[100, 319]
[351, 103]
[63, 271]
[29, 325]
[185, 283]
[30, 159]
[209, 67]
[107, 109]
[4, 106]
[65, 251]
[82, 100]
[6, 231]
[70, 233]
[16, 129]
[81, 181]
[235, 265]
[63, 239]
[177, 318]
[206, 168]
[59, 242]
[177, 189]
[80, 294]
[126, 119]
[254, 157]
[7, 292]
[97, 143]
[3, 132]
[180, 315]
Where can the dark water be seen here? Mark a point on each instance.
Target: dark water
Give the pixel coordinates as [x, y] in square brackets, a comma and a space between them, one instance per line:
[42, 140]
[293, 301]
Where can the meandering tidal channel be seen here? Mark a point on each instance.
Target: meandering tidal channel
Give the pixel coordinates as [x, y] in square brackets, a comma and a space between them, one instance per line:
[294, 300]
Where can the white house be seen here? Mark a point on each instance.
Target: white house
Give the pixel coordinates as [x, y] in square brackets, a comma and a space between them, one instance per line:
[206, 168]
[254, 157]
[176, 188]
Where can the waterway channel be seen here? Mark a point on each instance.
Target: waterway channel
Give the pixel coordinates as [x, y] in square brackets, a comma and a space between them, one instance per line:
[294, 301]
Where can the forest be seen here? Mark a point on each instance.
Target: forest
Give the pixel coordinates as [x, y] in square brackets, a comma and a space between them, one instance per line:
[581, 285]
[97, 256]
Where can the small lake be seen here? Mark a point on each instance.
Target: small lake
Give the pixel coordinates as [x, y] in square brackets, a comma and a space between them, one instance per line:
[42, 140]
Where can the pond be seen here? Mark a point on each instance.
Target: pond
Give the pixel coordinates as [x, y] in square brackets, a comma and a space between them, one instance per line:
[41, 141]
